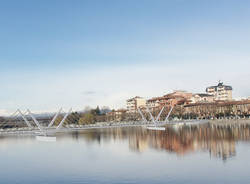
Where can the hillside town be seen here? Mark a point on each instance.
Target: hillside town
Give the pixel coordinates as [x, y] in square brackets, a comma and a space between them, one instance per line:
[215, 103]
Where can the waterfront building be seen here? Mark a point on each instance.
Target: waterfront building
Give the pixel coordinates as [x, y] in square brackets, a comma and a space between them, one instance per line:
[202, 97]
[178, 97]
[117, 115]
[155, 102]
[219, 109]
[134, 103]
[220, 92]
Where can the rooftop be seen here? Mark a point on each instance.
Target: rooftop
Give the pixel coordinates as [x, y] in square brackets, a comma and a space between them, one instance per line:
[221, 103]
[136, 97]
[203, 95]
[220, 84]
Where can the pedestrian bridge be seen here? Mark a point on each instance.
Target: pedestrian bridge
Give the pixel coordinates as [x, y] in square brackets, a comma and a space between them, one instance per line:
[53, 124]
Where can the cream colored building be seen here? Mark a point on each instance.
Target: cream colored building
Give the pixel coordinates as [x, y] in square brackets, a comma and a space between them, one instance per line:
[117, 115]
[202, 97]
[154, 102]
[178, 96]
[220, 92]
[134, 103]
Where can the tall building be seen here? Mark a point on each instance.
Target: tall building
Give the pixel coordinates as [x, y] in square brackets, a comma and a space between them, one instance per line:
[220, 92]
[134, 103]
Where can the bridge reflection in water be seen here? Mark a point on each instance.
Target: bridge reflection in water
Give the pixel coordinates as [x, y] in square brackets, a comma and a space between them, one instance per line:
[218, 141]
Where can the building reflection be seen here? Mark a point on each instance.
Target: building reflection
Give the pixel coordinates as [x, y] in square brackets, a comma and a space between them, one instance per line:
[218, 141]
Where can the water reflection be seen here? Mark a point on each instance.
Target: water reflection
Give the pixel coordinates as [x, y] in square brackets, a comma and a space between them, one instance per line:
[218, 141]
[130, 155]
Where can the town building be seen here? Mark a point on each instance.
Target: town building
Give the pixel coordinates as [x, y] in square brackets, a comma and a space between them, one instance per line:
[117, 115]
[219, 109]
[202, 97]
[155, 102]
[177, 97]
[220, 92]
[134, 103]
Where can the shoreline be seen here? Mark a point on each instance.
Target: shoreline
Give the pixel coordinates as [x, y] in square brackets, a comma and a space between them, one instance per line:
[230, 121]
[217, 122]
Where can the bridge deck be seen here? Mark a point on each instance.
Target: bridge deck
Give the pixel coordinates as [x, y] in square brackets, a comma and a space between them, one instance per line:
[53, 130]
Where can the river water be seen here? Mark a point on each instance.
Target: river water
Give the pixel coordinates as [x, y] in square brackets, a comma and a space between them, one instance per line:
[186, 154]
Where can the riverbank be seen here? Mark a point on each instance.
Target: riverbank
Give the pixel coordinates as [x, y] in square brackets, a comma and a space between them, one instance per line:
[230, 121]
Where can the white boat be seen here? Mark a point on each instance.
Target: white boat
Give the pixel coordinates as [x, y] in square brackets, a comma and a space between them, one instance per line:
[45, 138]
[155, 128]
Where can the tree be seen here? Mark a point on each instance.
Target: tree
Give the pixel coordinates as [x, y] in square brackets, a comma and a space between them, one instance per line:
[86, 118]
[58, 120]
[73, 118]
[97, 111]
[2, 119]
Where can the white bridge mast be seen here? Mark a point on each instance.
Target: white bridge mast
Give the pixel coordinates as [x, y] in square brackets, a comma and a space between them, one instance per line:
[158, 116]
[64, 118]
[24, 118]
[53, 120]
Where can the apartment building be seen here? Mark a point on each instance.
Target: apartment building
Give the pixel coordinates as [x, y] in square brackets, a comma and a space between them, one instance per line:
[220, 92]
[202, 97]
[219, 108]
[117, 115]
[177, 97]
[155, 102]
[134, 103]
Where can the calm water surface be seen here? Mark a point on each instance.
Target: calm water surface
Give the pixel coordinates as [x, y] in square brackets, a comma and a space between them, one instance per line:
[197, 154]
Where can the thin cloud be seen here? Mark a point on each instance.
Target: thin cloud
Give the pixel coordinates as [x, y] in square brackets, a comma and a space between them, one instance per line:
[88, 92]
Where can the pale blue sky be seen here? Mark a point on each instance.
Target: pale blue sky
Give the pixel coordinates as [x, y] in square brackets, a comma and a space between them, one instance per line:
[78, 53]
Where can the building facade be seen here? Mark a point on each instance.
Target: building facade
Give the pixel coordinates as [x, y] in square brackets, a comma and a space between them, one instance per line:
[134, 103]
[220, 92]
[219, 109]
[202, 98]
[155, 102]
[117, 115]
[177, 97]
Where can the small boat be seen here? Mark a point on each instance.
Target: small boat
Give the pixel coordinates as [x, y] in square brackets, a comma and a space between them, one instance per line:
[155, 128]
[45, 138]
